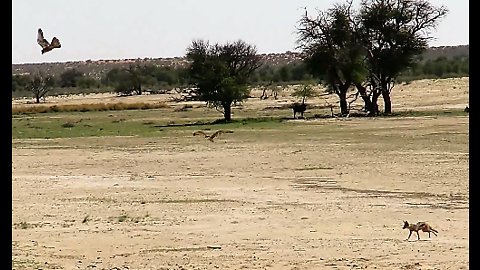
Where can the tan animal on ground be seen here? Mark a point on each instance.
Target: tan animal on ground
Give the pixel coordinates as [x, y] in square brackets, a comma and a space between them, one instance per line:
[420, 226]
[213, 136]
[46, 46]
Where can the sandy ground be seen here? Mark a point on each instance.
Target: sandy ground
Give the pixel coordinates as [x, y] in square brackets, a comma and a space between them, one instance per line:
[251, 202]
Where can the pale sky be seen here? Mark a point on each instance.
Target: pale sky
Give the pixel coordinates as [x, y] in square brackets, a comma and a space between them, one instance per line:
[119, 29]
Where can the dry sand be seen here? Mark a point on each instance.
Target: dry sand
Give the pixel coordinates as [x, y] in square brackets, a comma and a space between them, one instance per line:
[251, 203]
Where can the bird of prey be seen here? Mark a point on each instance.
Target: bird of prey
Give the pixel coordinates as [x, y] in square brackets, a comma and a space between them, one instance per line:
[212, 136]
[46, 46]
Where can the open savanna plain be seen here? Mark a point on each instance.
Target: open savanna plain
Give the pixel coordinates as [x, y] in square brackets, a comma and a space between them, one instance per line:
[134, 189]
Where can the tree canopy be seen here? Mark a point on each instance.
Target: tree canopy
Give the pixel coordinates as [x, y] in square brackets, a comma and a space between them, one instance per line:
[368, 48]
[220, 73]
[392, 33]
[331, 51]
[40, 85]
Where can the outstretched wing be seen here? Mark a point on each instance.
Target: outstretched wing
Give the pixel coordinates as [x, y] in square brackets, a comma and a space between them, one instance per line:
[55, 43]
[199, 132]
[41, 40]
[218, 132]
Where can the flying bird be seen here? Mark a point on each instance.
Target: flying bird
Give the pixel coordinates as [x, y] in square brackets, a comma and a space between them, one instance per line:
[213, 136]
[46, 46]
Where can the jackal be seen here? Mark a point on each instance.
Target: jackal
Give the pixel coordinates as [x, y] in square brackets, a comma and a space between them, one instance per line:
[420, 226]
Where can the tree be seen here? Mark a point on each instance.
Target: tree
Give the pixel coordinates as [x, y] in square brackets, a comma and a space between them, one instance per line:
[135, 78]
[40, 85]
[221, 72]
[392, 33]
[20, 82]
[285, 73]
[331, 50]
[126, 81]
[111, 77]
[300, 72]
[87, 82]
[265, 73]
[120, 79]
[304, 91]
[70, 78]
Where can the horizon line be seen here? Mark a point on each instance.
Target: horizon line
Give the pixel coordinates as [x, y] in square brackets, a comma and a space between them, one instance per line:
[179, 57]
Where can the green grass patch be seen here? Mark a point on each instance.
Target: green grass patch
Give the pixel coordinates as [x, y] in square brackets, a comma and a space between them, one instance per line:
[121, 123]
[82, 124]
[160, 122]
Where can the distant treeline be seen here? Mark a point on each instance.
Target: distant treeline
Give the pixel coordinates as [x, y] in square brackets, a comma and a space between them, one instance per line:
[441, 67]
[139, 78]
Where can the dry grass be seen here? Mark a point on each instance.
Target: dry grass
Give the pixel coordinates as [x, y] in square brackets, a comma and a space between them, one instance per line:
[87, 107]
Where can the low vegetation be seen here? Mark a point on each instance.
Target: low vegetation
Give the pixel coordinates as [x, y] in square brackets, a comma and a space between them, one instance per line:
[87, 107]
[162, 122]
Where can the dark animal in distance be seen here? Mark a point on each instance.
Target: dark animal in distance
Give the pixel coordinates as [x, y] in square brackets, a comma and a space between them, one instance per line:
[299, 108]
[466, 109]
[212, 136]
[46, 46]
[420, 226]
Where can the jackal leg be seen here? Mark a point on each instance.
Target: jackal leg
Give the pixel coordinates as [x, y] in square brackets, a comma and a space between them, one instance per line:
[409, 235]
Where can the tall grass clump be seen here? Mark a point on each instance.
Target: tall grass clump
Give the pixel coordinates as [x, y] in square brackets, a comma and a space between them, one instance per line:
[88, 107]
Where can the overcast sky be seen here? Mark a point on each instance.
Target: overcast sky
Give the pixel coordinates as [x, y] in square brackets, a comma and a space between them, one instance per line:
[119, 29]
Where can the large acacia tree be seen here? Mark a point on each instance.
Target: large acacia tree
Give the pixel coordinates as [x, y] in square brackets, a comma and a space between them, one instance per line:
[385, 37]
[220, 72]
[330, 46]
[393, 33]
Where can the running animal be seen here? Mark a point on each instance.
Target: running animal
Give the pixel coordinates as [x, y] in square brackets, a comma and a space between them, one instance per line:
[213, 136]
[420, 226]
[46, 46]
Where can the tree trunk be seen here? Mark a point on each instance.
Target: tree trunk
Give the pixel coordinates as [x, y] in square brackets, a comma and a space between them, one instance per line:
[342, 94]
[375, 103]
[343, 102]
[139, 87]
[264, 94]
[227, 112]
[366, 99]
[385, 90]
[387, 102]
